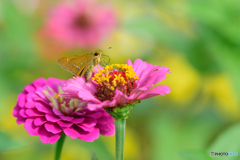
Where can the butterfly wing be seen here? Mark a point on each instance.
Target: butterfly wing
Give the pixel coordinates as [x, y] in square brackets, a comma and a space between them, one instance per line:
[79, 65]
[63, 62]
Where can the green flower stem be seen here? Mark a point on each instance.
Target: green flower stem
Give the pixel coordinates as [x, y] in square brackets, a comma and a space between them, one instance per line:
[120, 124]
[120, 113]
[59, 146]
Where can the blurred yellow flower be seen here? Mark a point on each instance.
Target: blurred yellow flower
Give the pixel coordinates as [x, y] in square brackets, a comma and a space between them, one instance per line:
[225, 95]
[184, 80]
[74, 151]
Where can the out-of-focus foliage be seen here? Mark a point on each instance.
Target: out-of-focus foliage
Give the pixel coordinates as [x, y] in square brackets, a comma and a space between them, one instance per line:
[199, 40]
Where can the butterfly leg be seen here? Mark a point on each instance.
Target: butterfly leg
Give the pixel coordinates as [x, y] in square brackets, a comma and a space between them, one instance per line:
[104, 61]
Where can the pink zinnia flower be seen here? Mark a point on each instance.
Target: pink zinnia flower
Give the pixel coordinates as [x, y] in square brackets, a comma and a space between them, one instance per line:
[118, 87]
[46, 115]
[82, 23]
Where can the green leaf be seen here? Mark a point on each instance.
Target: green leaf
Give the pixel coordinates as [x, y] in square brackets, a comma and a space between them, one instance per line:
[227, 141]
[195, 155]
[7, 143]
[94, 157]
[98, 146]
[173, 132]
[151, 26]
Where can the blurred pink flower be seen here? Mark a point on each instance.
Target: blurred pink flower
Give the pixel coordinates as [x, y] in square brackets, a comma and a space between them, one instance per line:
[117, 87]
[82, 23]
[46, 115]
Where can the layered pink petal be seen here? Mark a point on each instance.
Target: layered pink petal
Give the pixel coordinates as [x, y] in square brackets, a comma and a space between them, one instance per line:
[39, 121]
[74, 85]
[39, 82]
[44, 115]
[31, 127]
[121, 99]
[52, 118]
[73, 132]
[87, 96]
[107, 103]
[107, 130]
[90, 136]
[157, 75]
[78, 120]
[52, 127]
[162, 90]
[95, 115]
[64, 124]
[43, 108]
[48, 137]
[89, 122]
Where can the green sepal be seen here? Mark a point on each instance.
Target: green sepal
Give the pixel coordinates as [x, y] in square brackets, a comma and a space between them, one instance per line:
[121, 112]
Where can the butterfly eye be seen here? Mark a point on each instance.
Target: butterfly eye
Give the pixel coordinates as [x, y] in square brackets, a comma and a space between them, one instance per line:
[95, 54]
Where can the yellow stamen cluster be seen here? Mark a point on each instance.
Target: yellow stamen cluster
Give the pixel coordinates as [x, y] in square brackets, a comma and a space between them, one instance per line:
[109, 76]
[130, 74]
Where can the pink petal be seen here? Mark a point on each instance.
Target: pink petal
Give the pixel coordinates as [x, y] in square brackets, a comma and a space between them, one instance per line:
[29, 88]
[78, 120]
[48, 137]
[90, 136]
[29, 105]
[22, 101]
[87, 96]
[72, 86]
[129, 62]
[52, 118]
[107, 130]
[33, 113]
[20, 120]
[16, 110]
[145, 75]
[72, 132]
[103, 120]
[43, 108]
[36, 97]
[39, 121]
[139, 66]
[30, 127]
[64, 124]
[95, 115]
[121, 98]
[39, 92]
[89, 122]
[21, 95]
[39, 82]
[137, 92]
[22, 113]
[87, 129]
[29, 97]
[162, 89]
[157, 75]
[107, 103]
[92, 87]
[52, 127]
[66, 118]
[57, 112]
[105, 114]
[54, 83]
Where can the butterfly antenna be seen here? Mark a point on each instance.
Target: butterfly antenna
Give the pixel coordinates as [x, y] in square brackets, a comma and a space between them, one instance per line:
[108, 58]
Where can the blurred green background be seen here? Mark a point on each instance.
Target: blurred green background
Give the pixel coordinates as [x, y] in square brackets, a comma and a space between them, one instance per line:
[199, 40]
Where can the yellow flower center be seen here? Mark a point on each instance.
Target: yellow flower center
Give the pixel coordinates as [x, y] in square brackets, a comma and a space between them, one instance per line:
[109, 79]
